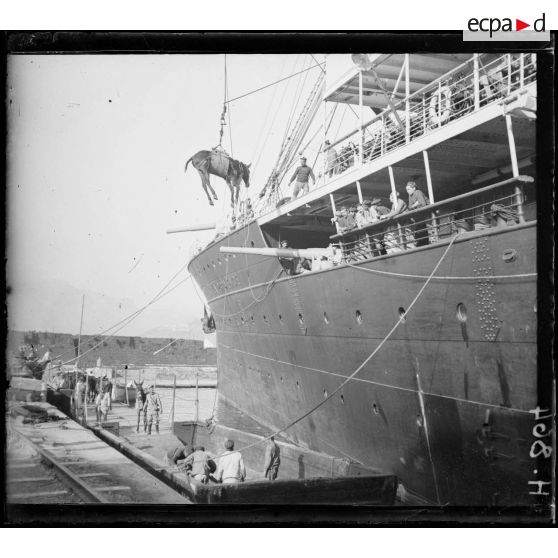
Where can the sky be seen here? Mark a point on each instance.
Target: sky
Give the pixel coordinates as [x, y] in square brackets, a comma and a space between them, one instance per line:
[96, 151]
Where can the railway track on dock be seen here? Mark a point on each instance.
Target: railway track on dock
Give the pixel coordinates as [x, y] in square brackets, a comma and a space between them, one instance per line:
[45, 465]
[35, 474]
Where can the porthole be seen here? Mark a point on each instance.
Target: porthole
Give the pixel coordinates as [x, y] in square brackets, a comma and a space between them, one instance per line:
[325, 393]
[300, 319]
[402, 314]
[342, 398]
[326, 318]
[461, 313]
[358, 316]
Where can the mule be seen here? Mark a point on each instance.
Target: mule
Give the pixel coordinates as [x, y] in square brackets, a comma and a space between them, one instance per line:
[91, 388]
[220, 164]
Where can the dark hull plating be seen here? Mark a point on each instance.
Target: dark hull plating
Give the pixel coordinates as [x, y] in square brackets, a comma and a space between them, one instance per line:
[445, 402]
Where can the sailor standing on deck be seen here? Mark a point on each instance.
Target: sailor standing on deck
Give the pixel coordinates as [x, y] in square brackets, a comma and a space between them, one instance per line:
[230, 468]
[272, 459]
[153, 407]
[302, 173]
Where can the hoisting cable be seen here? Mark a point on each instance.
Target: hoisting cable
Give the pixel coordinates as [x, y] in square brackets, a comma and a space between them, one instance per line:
[270, 84]
[223, 121]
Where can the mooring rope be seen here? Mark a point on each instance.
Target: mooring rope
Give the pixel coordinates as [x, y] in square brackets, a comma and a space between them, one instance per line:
[362, 365]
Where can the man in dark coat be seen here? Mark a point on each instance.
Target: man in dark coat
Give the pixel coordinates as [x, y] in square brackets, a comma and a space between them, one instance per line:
[272, 459]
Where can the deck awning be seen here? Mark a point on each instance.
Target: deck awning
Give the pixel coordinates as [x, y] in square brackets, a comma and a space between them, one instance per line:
[424, 68]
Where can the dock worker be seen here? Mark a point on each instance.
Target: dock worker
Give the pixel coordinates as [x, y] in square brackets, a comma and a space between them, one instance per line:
[200, 464]
[302, 174]
[79, 396]
[230, 468]
[105, 406]
[153, 409]
[272, 459]
[177, 453]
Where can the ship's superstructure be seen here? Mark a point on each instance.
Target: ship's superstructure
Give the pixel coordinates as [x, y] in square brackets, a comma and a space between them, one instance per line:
[431, 312]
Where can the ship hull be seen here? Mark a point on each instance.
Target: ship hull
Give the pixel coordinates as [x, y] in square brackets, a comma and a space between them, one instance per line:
[444, 402]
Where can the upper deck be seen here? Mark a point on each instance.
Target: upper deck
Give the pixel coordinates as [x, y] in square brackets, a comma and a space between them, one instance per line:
[447, 128]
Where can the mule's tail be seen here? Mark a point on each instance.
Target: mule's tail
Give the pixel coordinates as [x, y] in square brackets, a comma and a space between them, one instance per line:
[187, 163]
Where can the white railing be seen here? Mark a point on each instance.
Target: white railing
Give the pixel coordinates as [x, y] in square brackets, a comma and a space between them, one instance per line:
[466, 89]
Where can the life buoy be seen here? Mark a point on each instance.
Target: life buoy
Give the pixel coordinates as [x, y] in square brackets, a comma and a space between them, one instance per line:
[439, 114]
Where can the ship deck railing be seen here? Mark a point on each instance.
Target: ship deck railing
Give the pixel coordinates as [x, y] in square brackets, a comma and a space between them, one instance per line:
[497, 205]
[469, 87]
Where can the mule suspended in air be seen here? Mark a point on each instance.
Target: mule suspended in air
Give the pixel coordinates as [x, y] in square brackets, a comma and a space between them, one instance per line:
[220, 164]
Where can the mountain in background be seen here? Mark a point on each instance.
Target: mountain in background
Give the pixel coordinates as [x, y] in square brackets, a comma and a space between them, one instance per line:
[29, 308]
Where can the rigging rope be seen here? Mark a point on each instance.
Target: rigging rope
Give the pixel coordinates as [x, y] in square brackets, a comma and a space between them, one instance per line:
[128, 319]
[365, 362]
[270, 84]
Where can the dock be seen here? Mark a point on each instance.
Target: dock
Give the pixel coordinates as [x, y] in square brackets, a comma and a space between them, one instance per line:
[59, 461]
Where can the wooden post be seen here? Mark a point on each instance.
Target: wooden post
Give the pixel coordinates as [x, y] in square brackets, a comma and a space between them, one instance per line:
[79, 350]
[430, 192]
[359, 191]
[324, 152]
[476, 83]
[407, 103]
[126, 385]
[428, 176]
[173, 400]
[332, 200]
[392, 183]
[515, 169]
[511, 141]
[197, 416]
[360, 127]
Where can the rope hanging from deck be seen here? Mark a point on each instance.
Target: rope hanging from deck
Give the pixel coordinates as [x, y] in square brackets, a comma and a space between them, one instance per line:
[365, 362]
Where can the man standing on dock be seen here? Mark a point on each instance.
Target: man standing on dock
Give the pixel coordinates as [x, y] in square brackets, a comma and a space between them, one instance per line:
[272, 459]
[153, 408]
[230, 468]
